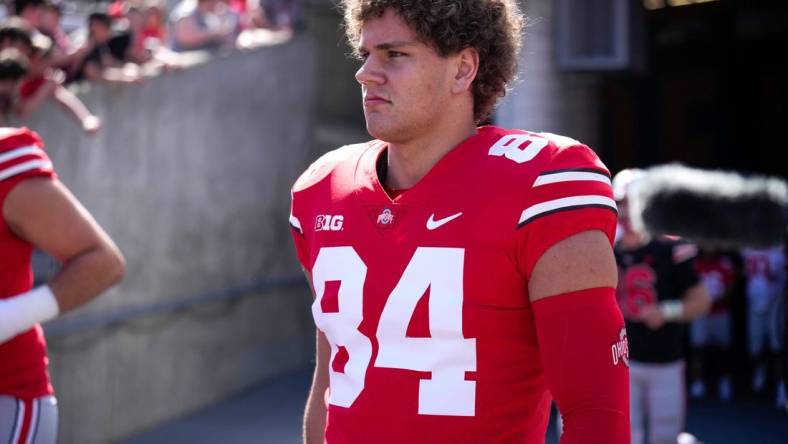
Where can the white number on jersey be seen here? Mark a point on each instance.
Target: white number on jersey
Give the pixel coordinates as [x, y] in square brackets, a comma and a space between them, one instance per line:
[520, 148]
[447, 354]
[440, 270]
[341, 328]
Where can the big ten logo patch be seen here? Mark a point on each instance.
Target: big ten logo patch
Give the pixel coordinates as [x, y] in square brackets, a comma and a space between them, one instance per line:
[328, 222]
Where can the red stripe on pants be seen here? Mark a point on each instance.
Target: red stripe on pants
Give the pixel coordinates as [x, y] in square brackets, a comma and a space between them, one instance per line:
[26, 421]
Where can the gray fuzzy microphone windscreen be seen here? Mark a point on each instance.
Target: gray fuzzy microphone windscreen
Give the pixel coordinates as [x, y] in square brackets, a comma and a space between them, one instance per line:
[712, 208]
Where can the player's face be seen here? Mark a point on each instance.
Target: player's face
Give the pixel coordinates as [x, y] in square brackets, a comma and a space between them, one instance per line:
[405, 84]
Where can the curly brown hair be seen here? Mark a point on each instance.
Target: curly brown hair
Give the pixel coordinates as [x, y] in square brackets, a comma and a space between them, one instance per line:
[492, 27]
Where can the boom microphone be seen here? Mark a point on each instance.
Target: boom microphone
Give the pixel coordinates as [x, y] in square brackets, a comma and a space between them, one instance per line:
[711, 208]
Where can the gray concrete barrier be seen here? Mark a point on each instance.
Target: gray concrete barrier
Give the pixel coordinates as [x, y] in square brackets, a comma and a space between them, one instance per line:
[190, 175]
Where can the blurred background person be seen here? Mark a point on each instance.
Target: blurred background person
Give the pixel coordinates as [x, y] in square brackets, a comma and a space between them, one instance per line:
[250, 12]
[32, 202]
[31, 11]
[765, 280]
[148, 28]
[282, 13]
[710, 335]
[154, 23]
[49, 25]
[106, 54]
[64, 53]
[13, 67]
[148, 37]
[16, 33]
[43, 83]
[44, 16]
[202, 25]
[659, 291]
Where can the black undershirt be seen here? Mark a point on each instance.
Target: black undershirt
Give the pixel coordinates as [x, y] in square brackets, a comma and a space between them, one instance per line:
[382, 167]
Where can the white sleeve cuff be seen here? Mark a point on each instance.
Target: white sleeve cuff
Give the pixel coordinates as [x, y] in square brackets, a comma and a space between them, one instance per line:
[20, 313]
[672, 311]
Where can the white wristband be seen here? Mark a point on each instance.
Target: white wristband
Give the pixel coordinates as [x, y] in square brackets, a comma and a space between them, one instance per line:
[672, 311]
[20, 313]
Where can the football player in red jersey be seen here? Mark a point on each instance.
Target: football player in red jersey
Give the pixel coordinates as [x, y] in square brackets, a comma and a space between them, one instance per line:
[36, 210]
[464, 276]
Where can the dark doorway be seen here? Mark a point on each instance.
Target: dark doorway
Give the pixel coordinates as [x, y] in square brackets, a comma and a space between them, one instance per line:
[713, 91]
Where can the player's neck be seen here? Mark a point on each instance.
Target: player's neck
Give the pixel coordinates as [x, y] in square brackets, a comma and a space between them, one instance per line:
[410, 161]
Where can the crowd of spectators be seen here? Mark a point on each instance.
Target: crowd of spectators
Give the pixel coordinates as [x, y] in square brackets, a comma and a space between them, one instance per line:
[122, 42]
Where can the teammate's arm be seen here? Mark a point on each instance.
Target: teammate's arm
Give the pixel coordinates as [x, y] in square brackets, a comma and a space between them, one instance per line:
[695, 299]
[315, 412]
[694, 303]
[572, 288]
[43, 212]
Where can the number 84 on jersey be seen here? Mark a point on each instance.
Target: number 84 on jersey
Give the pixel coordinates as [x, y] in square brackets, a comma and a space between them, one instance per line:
[446, 354]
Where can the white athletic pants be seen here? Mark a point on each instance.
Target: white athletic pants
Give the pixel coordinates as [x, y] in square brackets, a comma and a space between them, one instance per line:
[657, 401]
[30, 421]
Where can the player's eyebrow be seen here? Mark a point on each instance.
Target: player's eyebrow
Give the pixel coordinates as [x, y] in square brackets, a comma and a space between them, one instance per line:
[391, 45]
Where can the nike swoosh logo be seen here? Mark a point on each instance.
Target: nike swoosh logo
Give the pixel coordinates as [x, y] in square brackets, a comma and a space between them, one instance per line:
[433, 224]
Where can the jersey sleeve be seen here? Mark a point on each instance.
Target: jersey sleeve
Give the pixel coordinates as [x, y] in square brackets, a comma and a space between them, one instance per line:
[297, 232]
[301, 197]
[571, 194]
[22, 156]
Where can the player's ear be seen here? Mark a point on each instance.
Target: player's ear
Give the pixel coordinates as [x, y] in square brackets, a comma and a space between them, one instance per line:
[467, 67]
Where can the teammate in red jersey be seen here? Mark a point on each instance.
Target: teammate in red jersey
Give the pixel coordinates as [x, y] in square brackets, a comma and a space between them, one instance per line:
[710, 335]
[464, 276]
[36, 210]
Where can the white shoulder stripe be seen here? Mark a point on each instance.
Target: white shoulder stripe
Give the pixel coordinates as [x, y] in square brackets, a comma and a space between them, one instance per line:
[296, 224]
[23, 167]
[564, 204]
[571, 176]
[19, 152]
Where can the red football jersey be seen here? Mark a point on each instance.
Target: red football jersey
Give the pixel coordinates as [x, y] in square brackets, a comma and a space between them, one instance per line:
[424, 298]
[718, 275]
[23, 361]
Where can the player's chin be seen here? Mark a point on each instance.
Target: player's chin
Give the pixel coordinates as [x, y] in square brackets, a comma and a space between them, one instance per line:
[377, 128]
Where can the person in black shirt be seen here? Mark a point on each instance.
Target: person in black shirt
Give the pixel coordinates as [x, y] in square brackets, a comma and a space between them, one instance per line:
[107, 56]
[659, 292]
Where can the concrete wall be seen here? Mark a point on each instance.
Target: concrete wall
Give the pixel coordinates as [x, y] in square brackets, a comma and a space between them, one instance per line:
[339, 109]
[544, 98]
[190, 175]
[340, 95]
